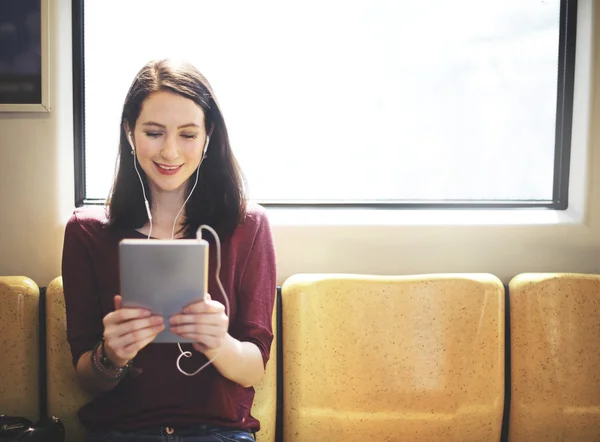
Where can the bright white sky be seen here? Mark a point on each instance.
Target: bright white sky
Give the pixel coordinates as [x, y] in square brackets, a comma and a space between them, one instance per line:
[369, 99]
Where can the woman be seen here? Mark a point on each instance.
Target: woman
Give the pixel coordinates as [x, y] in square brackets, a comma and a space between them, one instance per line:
[176, 172]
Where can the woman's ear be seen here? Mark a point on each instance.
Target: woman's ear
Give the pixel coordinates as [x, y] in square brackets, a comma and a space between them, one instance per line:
[128, 135]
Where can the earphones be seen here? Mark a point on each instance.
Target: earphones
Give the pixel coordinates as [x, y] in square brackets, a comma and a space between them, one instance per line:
[148, 211]
[187, 354]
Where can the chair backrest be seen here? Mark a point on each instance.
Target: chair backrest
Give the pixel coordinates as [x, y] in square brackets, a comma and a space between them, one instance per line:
[265, 399]
[555, 357]
[65, 397]
[19, 346]
[417, 358]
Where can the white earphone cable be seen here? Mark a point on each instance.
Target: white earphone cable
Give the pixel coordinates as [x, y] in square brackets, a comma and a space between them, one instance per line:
[187, 354]
[143, 189]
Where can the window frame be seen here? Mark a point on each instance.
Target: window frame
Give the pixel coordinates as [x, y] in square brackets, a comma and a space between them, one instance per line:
[563, 131]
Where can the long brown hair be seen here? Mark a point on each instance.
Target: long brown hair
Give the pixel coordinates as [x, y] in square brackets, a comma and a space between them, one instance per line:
[219, 198]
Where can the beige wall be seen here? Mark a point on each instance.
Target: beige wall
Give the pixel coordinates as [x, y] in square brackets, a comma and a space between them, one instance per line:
[36, 155]
[36, 196]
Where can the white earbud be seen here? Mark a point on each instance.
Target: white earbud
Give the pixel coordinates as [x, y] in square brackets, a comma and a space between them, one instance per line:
[131, 143]
[205, 147]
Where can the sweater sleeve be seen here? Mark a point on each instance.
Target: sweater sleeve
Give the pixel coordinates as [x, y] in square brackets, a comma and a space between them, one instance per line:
[257, 292]
[83, 307]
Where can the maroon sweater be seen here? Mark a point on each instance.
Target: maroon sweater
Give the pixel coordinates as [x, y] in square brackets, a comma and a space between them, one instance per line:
[160, 394]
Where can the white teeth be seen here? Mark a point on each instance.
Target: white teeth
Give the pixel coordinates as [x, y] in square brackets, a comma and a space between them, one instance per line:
[168, 167]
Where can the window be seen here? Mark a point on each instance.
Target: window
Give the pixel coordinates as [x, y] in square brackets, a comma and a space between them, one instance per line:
[373, 102]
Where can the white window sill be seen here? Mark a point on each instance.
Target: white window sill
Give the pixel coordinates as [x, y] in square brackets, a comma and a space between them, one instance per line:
[299, 217]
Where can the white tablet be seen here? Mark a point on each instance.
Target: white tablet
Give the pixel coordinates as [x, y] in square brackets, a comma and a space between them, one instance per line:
[163, 276]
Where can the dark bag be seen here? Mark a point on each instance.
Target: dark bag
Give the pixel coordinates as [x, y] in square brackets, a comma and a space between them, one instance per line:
[14, 428]
[11, 426]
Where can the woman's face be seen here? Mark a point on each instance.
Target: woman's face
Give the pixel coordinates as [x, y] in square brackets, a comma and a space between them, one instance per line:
[169, 139]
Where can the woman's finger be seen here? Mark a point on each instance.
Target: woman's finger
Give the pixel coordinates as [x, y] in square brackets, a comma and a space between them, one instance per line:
[199, 329]
[125, 328]
[127, 346]
[143, 342]
[201, 318]
[138, 335]
[209, 306]
[124, 315]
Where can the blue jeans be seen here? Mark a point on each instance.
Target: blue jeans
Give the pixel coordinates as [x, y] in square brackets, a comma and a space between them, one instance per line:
[198, 433]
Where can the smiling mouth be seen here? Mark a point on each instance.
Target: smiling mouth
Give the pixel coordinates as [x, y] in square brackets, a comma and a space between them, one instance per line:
[167, 170]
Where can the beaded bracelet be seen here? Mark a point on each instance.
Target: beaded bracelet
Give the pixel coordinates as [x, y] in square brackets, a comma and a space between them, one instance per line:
[104, 367]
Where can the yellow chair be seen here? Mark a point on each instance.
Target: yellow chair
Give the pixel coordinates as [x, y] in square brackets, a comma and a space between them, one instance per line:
[265, 399]
[555, 357]
[393, 358]
[65, 397]
[19, 346]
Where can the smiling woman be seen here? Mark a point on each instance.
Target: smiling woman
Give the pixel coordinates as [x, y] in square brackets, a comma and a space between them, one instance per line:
[166, 188]
[164, 146]
[166, 118]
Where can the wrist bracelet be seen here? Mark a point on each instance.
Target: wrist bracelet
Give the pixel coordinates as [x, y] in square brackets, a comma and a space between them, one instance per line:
[104, 360]
[103, 366]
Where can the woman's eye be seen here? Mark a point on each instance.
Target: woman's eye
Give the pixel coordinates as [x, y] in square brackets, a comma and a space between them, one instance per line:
[153, 134]
[189, 136]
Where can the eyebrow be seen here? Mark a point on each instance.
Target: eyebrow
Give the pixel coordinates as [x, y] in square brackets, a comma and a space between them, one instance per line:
[152, 123]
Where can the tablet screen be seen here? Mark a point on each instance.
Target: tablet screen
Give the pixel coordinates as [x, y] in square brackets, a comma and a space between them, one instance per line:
[163, 276]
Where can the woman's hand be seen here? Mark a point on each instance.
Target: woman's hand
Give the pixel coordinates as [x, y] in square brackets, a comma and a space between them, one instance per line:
[204, 321]
[127, 331]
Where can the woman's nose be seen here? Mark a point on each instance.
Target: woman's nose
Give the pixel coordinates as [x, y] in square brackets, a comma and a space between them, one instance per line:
[170, 149]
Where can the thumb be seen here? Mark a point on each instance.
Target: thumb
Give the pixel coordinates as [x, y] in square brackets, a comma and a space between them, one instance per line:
[207, 297]
[118, 302]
